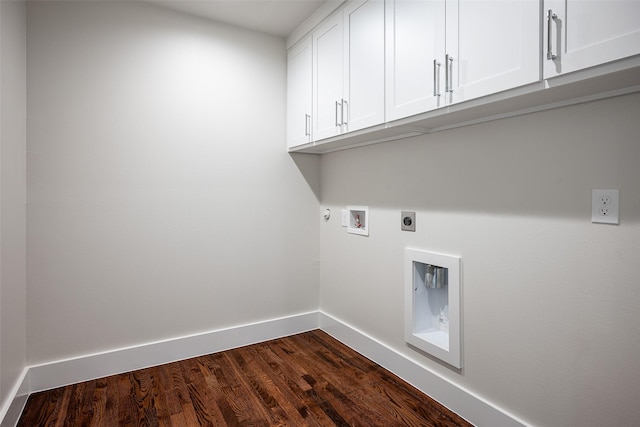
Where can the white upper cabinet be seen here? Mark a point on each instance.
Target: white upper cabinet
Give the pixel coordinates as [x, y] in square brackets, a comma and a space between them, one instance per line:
[579, 34]
[299, 90]
[328, 78]
[364, 71]
[348, 80]
[440, 52]
[415, 51]
[494, 45]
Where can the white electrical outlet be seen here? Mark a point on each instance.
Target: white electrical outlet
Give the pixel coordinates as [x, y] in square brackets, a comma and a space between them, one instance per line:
[605, 206]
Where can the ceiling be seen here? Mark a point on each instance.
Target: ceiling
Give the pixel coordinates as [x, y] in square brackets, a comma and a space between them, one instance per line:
[276, 17]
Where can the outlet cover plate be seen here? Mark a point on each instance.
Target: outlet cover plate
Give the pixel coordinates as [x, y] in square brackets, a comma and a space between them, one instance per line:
[605, 206]
[407, 221]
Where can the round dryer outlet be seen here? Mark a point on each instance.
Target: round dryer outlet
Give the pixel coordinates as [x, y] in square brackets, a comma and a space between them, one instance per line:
[408, 221]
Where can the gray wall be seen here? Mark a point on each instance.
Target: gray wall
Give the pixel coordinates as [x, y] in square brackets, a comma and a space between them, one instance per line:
[162, 201]
[550, 300]
[12, 194]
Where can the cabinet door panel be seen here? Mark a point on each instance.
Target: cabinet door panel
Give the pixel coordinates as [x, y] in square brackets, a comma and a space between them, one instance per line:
[586, 33]
[364, 79]
[299, 90]
[414, 39]
[328, 47]
[494, 45]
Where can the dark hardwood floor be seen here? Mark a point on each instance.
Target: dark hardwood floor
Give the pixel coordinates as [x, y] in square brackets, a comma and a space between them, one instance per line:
[308, 379]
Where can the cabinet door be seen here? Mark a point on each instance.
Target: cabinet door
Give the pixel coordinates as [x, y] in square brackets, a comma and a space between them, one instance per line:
[415, 51]
[328, 78]
[364, 64]
[299, 90]
[588, 33]
[494, 44]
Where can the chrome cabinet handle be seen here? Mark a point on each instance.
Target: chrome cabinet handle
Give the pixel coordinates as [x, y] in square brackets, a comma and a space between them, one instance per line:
[550, 17]
[448, 73]
[307, 123]
[342, 120]
[337, 104]
[436, 78]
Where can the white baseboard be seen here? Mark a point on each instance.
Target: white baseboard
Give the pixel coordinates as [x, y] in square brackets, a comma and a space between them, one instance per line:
[70, 371]
[468, 405]
[16, 399]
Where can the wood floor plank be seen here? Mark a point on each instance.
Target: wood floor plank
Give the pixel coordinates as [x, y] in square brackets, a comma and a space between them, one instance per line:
[100, 403]
[202, 396]
[309, 379]
[177, 393]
